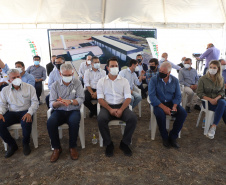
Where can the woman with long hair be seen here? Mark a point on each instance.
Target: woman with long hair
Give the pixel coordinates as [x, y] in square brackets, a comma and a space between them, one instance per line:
[211, 88]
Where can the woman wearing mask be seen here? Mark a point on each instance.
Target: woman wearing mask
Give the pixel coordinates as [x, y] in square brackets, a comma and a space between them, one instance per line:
[211, 88]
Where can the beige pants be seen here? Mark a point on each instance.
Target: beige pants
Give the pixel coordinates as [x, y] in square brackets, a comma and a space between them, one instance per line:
[192, 98]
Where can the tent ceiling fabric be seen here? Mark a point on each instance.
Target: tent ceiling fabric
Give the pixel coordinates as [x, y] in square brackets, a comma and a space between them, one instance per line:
[115, 11]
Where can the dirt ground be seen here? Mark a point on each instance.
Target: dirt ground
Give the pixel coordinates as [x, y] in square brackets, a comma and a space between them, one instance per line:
[198, 161]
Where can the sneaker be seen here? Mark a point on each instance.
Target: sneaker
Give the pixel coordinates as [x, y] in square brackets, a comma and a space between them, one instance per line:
[211, 132]
[125, 148]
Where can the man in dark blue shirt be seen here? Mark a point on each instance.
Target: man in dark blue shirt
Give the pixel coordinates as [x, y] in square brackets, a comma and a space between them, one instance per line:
[165, 96]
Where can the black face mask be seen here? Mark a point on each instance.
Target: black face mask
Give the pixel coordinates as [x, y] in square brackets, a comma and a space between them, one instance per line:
[58, 66]
[152, 68]
[162, 75]
[139, 60]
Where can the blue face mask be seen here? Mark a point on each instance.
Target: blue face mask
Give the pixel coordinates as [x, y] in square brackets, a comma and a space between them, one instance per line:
[36, 63]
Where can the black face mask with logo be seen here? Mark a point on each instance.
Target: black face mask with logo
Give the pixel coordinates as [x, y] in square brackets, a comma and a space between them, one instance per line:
[162, 75]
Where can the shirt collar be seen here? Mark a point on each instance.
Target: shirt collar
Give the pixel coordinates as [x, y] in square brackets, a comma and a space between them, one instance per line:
[21, 86]
[118, 77]
[61, 82]
[170, 79]
[94, 71]
[129, 70]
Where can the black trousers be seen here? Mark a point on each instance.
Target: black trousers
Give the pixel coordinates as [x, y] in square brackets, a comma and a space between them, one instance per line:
[47, 101]
[88, 104]
[128, 116]
[38, 87]
[143, 90]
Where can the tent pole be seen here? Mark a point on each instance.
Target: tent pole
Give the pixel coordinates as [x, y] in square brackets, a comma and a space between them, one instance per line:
[103, 12]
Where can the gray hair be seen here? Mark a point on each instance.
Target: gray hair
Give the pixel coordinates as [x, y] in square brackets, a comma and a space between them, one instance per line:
[66, 67]
[12, 71]
[166, 65]
[88, 56]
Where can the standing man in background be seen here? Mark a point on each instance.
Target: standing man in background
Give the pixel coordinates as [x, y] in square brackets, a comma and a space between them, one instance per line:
[211, 53]
[39, 73]
[50, 65]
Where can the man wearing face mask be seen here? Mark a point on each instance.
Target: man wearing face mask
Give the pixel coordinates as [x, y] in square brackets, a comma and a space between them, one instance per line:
[50, 66]
[83, 67]
[154, 70]
[25, 77]
[18, 102]
[91, 77]
[165, 59]
[39, 73]
[211, 53]
[165, 96]
[142, 67]
[113, 94]
[55, 75]
[189, 78]
[66, 98]
[223, 67]
[131, 76]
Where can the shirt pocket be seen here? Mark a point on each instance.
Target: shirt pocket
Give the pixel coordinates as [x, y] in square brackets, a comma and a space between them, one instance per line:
[73, 94]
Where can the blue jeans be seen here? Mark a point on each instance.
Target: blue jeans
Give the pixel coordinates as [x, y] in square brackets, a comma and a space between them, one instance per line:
[219, 109]
[59, 117]
[135, 99]
[177, 125]
[10, 119]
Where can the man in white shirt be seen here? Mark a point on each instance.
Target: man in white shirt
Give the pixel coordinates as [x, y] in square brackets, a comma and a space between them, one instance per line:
[91, 77]
[83, 67]
[18, 102]
[114, 96]
[131, 76]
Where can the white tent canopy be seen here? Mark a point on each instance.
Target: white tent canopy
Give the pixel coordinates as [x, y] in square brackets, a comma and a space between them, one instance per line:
[151, 13]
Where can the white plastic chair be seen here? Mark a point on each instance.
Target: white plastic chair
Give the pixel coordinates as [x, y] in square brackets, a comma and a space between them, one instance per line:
[153, 122]
[136, 89]
[209, 116]
[112, 122]
[86, 109]
[184, 96]
[42, 97]
[65, 126]
[34, 131]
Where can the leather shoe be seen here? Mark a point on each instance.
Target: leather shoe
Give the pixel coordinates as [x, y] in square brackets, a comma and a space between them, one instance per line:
[11, 150]
[74, 153]
[125, 148]
[109, 150]
[26, 149]
[55, 155]
[166, 143]
[188, 109]
[173, 143]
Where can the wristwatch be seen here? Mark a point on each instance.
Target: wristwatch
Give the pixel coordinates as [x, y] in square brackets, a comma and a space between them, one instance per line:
[71, 102]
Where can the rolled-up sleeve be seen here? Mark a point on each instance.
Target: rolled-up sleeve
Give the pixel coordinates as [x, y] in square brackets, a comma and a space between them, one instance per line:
[3, 102]
[100, 91]
[127, 91]
[86, 78]
[80, 94]
[34, 101]
[152, 93]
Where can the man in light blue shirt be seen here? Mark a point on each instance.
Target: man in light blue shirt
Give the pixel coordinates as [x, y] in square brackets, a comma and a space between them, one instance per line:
[211, 53]
[189, 78]
[223, 67]
[165, 96]
[165, 59]
[55, 75]
[131, 76]
[39, 73]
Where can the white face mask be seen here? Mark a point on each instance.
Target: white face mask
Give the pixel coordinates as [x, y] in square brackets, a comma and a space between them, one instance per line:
[17, 82]
[114, 71]
[212, 71]
[163, 59]
[187, 66]
[137, 68]
[67, 79]
[96, 65]
[19, 69]
[88, 62]
[223, 67]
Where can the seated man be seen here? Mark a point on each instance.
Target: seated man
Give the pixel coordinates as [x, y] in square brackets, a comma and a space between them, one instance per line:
[165, 96]
[25, 77]
[131, 76]
[18, 102]
[154, 70]
[142, 66]
[223, 67]
[83, 67]
[113, 93]
[66, 97]
[3, 79]
[91, 77]
[165, 59]
[55, 75]
[189, 78]
[39, 73]
[50, 66]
